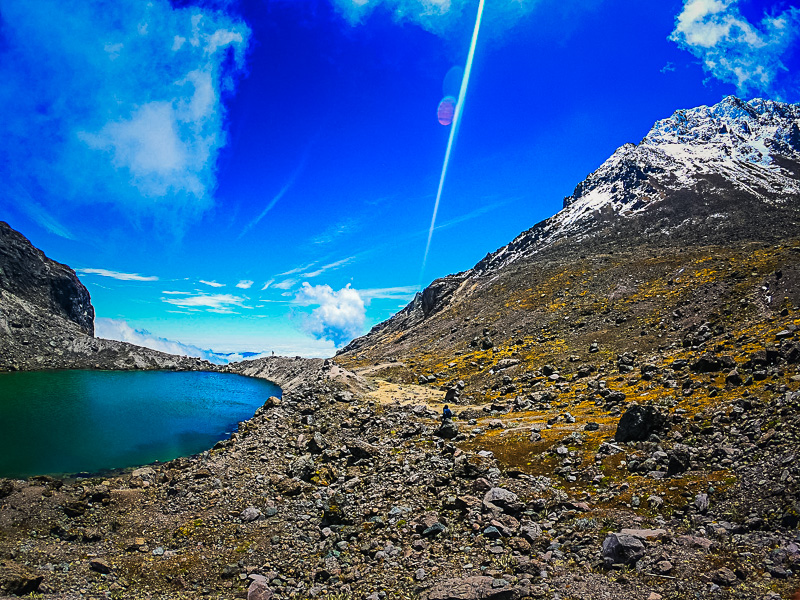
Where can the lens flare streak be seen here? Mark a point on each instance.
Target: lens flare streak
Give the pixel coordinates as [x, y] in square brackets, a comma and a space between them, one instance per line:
[454, 128]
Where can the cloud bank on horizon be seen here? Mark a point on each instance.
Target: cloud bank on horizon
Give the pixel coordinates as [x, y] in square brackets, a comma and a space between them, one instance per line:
[147, 136]
[734, 50]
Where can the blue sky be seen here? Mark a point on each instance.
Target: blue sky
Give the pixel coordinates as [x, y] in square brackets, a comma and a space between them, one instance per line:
[260, 175]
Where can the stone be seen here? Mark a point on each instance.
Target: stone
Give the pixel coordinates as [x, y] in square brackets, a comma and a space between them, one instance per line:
[361, 449]
[302, 468]
[420, 574]
[645, 534]
[724, 577]
[259, 590]
[619, 548]
[701, 502]
[530, 531]
[734, 378]
[505, 500]
[98, 565]
[249, 514]
[591, 426]
[447, 430]
[694, 541]
[470, 588]
[663, 567]
[678, 461]
[18, 580]
[638, 422]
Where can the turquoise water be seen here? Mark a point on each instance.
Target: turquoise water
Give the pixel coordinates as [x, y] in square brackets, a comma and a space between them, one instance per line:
[64, 422]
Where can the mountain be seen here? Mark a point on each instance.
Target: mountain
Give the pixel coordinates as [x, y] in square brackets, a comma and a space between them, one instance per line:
[47, 318]
[707, 178]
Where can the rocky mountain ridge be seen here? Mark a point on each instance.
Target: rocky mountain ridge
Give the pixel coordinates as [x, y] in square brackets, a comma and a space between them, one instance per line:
[704, 176]
[47, 318]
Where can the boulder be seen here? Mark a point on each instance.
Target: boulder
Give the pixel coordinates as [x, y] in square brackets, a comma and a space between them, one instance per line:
[472, 588]
[447, 430]
[638, 422]
[724, 577]
[249, 514]
[259, 590]
[619, 548]
[16, 579]
[503, 499]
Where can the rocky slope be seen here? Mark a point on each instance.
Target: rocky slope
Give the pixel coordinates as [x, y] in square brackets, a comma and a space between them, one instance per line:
[706, 177]
[47, 319]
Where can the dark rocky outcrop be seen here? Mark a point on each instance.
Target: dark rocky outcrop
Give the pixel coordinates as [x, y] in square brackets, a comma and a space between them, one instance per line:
[53, 288]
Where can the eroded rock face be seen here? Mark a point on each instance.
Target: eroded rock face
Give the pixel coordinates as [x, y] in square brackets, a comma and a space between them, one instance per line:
[27, 273]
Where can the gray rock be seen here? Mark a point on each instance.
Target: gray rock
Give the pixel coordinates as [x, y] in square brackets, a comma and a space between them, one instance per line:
[302, 468]
[505, 500]
[638, 422]
[249, 514]
[259, 590]
[619, 548]
[724, 577]
[447, 430]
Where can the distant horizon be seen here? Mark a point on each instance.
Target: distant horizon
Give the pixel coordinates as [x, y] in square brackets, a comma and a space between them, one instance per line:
[260, 175]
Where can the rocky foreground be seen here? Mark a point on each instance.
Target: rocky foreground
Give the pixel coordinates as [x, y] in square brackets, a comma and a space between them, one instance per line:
[350, 488]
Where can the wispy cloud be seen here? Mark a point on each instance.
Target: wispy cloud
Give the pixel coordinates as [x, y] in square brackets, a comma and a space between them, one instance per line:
[147, 137]
[329, 267]
[176, 293]
[213, 284]
[267, 284]
[245, 284]
[217, 303]
[18, 198]
[339, 315]
[118, 275]
[285, 284]
[336, 231]
[297, 270]
[405, 292]
[287, 186]
[734, 50]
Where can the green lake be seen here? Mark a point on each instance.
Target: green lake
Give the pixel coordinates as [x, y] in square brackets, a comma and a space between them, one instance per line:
[67, 422]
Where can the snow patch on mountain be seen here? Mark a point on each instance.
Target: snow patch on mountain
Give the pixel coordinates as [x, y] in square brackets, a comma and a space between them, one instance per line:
[752, 147]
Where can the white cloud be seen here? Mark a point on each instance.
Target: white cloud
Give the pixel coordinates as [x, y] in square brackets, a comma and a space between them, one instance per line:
[406, 292]
[175, 293]
[216, 303]
[244, 284]
[339, 315]
[267, 284]
[285, 284]
[117, 102]
[120, 330]
[117, 275]
[442, 17]
[734, 50]
[328, 267]
[213, 284]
